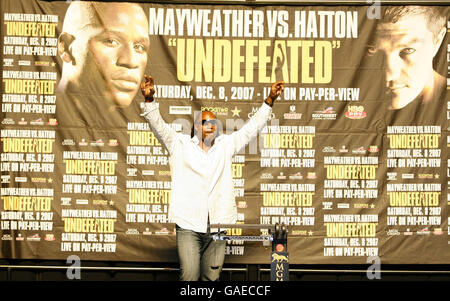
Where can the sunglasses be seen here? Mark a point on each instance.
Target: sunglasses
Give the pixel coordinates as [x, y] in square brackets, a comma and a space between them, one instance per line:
[211, 122]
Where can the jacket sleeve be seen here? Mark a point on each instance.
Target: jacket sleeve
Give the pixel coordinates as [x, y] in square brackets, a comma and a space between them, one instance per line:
[251, 128]
[163, 132]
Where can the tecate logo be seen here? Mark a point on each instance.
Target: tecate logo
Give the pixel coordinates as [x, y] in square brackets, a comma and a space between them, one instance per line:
[292, 114]
[83, 142]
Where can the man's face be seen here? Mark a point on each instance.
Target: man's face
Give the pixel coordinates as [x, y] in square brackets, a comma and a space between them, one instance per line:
[115, 54]
[207, 127]
[408, 48]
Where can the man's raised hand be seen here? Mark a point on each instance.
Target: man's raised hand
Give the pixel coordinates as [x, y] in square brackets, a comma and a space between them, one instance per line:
[275, 90]
[147, 88]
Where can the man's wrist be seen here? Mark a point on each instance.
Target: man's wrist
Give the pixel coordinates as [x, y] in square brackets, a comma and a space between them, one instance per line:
[149, 99]
[269, 102]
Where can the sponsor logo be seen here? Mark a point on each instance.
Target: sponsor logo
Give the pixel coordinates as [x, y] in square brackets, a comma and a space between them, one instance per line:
[279, 258]
[52, 121]
[218, 111]
[407, 232]
[327, 205]
[19, 237]
[99, 142]
[39, 180]
[8, 62]
[100, 202]
[113, 142]
[163, 231]
[438, 231]
[407, 176]
[393, 232]
[355, 112]
[424, 231]
[148, 172]
[327, 114]
[361, 206]
[21, 179]
[373, 149]
[68, 142]
[296, 176]
[311, 175]
[83, 142]
[82, 202]
[24, 63]
[328, 149]
[242, 204]
[299, 232]
[180, 110]
[425, 176]
[292, 114]
[343, 149]
[254, 110]
[49, 237]
[360, 150]
[22, 121]
[35, 237]
[266, 176]
[343, 205]
[37, 122]
[132, 231]
[42, 63]
[164, 172]
[7, 237]
[147, 231]
[131, 172]
[5, 179]
[281, 176]
[8, 121]
[391, 176]
[65, 201]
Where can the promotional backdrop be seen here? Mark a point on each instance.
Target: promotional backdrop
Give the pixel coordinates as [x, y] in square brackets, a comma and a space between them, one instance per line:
[354, 159]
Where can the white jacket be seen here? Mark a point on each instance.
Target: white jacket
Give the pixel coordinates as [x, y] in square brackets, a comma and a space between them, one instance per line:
[202, 182]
